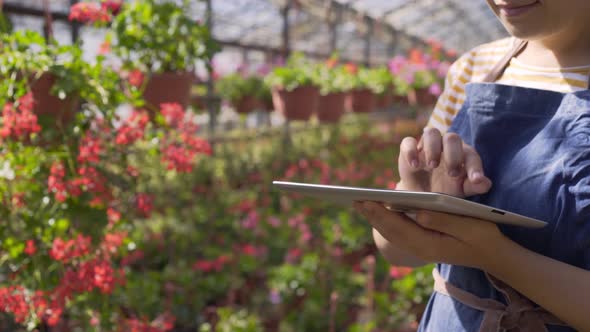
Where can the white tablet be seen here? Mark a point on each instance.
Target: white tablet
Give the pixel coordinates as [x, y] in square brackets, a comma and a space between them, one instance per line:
[409, 201]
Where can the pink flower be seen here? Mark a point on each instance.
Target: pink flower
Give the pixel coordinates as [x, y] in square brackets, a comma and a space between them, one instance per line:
[293, 254]
[443, 69]
[435, 89]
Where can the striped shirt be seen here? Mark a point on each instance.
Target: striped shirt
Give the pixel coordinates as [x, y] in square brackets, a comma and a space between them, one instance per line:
[474, 65]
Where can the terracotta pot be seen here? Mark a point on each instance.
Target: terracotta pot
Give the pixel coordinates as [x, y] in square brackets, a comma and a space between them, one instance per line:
[267, 105]
[331, 107]
[198, 102]
[169, 87]
[421, 97]
[400, 100]
[245, 105]
[298, 104]
[384, 100]
[48, 105]
[361, 101]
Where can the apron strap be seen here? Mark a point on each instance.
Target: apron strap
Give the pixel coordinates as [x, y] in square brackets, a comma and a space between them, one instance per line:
[499, 68]
[519, 314]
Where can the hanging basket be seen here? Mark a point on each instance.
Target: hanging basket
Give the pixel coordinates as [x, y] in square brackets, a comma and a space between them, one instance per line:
[331, 107]
[384, 100]
[298, 104]
[245, 105]
[50, 106]
[168, 87]
[421, 97]
[361, 101]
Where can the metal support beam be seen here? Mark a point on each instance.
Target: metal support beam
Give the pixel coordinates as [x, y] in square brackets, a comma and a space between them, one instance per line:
[403, 6]
[75, 26]
[286, 29]
[368, 37]
[211, 104]
[334, 18]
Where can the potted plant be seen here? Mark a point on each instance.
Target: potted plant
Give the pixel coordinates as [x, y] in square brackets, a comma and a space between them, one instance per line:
[242, 92]
[161, 39]
[381, 83]
[334, 84]
[420, 93]
[294, 93]
[362, 97]
[56, 75]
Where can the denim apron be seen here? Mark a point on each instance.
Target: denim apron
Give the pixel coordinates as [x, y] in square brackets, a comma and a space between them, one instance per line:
[535, 147]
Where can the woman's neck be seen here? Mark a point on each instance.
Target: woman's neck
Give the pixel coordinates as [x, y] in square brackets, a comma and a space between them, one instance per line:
[559, 50]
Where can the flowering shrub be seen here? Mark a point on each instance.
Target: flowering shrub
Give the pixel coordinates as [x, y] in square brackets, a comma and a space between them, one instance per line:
[68, 209]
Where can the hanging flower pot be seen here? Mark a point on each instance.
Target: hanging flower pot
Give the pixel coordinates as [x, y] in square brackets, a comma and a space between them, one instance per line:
[298, 104]
[168, 87]
[47, 105]
[331, 107]
[401, 100]
[421, 97]
[245, 105]
[361, 101]
[267, 105]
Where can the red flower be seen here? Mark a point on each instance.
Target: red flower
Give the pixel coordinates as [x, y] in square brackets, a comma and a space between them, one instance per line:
[178, 158]
[112, 6]
[18, 200]
[67, 250]
[113, 215]
[136, 78]
[293, 254]
[105, 47]
[87, 12]
[132, 171]
[249, 250]
[173, 114]
[398, 272]
[351, 68]
[144, 204]
[30, 248]
[90, 149]
[112, 241]
[204, 266]
[331, 63]
[133, 128]
[19, 122]
[56, 183]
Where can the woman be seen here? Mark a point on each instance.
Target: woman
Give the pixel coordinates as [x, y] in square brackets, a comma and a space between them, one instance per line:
[511, 130]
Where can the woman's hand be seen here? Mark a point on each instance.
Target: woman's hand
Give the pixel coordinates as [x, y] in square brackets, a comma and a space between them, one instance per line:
[436, 237]
[442, 164]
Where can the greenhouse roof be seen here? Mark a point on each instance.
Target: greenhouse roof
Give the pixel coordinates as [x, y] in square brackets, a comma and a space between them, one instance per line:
[322, 26]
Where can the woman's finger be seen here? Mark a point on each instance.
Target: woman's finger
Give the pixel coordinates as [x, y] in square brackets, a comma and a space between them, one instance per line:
[432, 146]
[453, 154]
[392, 225]
[476, 182]
[409, 152]
[473, 164]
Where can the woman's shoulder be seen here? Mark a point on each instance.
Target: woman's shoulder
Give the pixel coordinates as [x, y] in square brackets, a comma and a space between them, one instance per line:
[476, 63]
